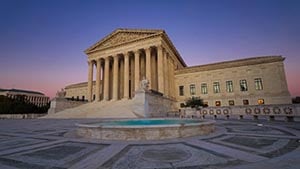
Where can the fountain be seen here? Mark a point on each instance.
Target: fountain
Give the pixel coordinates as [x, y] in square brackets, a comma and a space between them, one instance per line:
[145, 129]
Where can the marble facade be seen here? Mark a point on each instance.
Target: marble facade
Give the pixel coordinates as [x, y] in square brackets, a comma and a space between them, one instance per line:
[122, 59]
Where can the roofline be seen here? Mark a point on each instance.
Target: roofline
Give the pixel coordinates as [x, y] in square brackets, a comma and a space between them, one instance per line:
[81, 84]
[231, 63]
[161, 32]
[175, 50]
[21, 90]
[115, 32]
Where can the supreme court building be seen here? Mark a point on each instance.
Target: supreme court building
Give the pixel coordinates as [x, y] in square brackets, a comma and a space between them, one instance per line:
[118, 63]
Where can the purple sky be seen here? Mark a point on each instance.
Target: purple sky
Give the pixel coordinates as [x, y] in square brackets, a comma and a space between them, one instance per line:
[42, 41]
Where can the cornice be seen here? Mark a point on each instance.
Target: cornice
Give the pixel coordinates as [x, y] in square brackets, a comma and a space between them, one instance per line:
[123, 30]
[82, 84]
[155, 33]
[122, 44]
[230, 64]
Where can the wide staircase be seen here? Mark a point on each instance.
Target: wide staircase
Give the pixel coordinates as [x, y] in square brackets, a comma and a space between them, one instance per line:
[103, 109]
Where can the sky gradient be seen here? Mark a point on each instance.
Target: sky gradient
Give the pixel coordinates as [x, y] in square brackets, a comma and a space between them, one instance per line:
[42, 42]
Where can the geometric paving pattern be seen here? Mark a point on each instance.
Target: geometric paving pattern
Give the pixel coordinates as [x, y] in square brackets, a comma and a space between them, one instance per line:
[46, 143]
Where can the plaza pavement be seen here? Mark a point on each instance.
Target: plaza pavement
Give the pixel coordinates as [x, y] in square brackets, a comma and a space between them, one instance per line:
[49, 143]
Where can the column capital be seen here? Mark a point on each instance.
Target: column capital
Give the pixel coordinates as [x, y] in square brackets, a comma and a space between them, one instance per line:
[136, 52]
[160, 47]
[148, 48]
[126, 54]
[115, 56]
[90, 62]
[98, 61]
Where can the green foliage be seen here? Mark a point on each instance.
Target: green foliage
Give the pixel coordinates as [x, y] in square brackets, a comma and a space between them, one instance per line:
[296, 100]
[194, 102]
[20, 106]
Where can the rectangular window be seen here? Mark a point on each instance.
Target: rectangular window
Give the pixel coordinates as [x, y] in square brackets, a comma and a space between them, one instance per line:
[261, 101]
[243, 84]
[181, 90]
[258, 84]
[182, 105]
[218, 103]
[192, 89]
[231, 102]
[216, 86]
[229, 86]
[246, 102]
[203, 88]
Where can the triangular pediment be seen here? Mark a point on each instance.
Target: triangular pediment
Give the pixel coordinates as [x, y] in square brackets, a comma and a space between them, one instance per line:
[122, 36]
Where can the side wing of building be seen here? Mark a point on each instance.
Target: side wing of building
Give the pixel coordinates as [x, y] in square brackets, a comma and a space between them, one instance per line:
[250, 81]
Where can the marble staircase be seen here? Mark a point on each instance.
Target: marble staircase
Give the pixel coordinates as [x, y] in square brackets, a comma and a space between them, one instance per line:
[103, 109]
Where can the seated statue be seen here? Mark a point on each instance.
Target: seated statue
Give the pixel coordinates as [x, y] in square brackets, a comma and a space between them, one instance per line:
[61, 94]
[144, 85]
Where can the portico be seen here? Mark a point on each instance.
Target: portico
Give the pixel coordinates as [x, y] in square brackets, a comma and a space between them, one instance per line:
[125, 57]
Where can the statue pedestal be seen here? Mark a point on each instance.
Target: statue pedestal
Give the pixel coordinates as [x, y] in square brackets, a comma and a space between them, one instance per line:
[147, 104]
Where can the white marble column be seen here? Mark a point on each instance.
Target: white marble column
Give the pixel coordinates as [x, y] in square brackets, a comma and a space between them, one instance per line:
[160, 71]
[98, 73]
[148, 65]
[126, 75]
[106, 79]
[115, 78]
[90, 81]
[136, 70]
[166, 72]
[171, 79]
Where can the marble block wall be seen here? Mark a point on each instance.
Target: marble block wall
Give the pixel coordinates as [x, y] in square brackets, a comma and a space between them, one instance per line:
[147, 104]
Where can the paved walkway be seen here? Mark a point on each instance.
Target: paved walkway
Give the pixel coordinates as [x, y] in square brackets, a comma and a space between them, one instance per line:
[46, 143]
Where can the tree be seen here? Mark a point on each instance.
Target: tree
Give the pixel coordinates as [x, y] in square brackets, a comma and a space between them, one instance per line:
[194, 102]
[296, 100]
[19, 105]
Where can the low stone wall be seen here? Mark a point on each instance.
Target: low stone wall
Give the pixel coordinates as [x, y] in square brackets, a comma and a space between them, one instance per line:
[271, 112]
[60, 104]
[147, 131]
[147, 104]
[21, 116]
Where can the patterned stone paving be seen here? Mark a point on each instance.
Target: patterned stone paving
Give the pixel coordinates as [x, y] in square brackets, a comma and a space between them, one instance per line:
[50, 144]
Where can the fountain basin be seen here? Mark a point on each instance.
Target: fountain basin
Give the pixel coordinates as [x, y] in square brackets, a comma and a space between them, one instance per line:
[145, 129]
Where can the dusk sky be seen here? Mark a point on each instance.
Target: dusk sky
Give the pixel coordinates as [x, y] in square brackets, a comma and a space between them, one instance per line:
[42, 42]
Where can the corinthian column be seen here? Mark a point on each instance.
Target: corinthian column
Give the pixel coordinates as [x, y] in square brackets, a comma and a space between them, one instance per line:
[126, 76]
[160, 71]
[98, 80]
[115, 77]
[106, 79]
[148, 65]
[167, 77]
[90, 81]
[136, 70]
